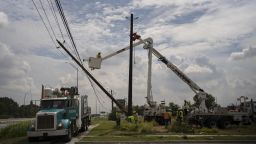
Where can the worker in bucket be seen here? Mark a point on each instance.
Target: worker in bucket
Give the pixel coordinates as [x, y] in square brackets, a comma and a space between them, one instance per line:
[98, 55]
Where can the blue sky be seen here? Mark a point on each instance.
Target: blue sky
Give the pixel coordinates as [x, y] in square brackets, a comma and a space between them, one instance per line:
[213, 42]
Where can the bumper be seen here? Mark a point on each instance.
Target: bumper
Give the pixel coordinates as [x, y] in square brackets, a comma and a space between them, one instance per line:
[47, 133]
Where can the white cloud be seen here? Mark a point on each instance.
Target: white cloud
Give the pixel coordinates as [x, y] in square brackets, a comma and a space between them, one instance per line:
[3, 19]
[197, 69]
[14, 74]
[244, 54]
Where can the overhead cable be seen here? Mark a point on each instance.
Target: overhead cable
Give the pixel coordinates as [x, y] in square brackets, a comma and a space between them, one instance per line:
[44, 23]
[67, 28]
[47, 19]
[55, 17]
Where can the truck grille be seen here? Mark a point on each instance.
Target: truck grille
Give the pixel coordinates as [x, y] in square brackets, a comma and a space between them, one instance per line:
[45, 122]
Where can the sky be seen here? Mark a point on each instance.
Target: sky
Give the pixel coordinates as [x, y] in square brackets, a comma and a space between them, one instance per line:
[212, 42]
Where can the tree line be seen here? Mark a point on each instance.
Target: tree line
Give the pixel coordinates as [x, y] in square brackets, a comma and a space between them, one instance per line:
[10, 109]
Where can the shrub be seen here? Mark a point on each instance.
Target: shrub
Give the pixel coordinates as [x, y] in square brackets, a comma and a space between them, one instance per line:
[181, 128]
[142, 127]
[127, 126]
[208, 130]
[15, 130]
[147, 127]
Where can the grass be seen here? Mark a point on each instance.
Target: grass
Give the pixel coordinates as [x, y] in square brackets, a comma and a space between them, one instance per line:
[164, 138]
[15, 130]
[107, 131]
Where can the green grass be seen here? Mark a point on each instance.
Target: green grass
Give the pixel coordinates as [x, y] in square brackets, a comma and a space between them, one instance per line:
[15, 130]
[107, 131]
[163, 138]
[104, 127]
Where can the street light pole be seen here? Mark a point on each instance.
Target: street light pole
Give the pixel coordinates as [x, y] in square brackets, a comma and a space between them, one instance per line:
[76, 73]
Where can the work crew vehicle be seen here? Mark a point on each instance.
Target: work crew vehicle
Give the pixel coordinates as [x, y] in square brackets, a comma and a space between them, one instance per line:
[62, 113]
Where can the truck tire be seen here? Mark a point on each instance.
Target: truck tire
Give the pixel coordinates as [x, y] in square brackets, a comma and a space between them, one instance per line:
[225, 124]
[83, 125]
[68, 137]
[212, 124]
[32, 139]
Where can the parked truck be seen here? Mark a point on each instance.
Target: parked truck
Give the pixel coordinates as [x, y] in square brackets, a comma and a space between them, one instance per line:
[62, 113]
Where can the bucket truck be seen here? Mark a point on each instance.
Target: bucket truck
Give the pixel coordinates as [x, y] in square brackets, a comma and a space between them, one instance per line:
[200, 116]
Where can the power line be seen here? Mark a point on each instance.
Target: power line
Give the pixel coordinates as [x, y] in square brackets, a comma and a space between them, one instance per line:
[44, 23]
[47, 19]
[95, 93]
[47, 29]
[55, 17]
[67, 28]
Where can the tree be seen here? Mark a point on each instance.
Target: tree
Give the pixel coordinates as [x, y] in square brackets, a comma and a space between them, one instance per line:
[209, 102]
[8, 107]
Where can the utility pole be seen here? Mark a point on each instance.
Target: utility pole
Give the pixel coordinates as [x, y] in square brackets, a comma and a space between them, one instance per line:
[130, 69]
[92, 77]
[112, 103]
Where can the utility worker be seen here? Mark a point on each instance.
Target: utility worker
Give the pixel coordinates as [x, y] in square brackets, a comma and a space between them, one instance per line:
[98, 55]
[131, 118]
[136, 118]
[167, 117]
[118, 119]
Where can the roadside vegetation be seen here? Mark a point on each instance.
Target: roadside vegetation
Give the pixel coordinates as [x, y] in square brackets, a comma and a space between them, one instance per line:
[15, 130]
[10, 109]
[151, 131]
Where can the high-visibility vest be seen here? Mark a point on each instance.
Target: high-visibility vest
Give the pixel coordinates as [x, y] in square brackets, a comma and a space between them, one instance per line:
[166, 115]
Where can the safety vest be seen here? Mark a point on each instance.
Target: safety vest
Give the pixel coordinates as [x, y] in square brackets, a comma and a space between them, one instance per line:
[166, 115]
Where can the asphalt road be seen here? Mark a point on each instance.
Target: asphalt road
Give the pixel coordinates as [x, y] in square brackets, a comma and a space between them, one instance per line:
[175, 142]
[58, 140]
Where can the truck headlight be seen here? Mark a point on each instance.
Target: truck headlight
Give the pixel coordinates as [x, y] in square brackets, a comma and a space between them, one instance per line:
[60, 125]
[32, 126]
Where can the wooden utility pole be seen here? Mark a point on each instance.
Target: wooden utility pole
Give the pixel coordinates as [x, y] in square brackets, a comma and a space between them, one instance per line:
[130, 69]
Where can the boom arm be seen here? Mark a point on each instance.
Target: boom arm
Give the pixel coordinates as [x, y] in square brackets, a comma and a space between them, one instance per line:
[194, 87]
[95, 63]
[179, 73]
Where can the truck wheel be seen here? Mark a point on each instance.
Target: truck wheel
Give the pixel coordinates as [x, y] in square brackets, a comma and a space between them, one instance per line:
[212, 124]
[224, 125]
[68, 137]
[32, 139]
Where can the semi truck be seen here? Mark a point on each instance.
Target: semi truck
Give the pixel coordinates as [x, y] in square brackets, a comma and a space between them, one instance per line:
[63, 112]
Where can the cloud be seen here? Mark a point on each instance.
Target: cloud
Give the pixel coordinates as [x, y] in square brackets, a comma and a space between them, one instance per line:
[197, 69]
[3, 19]
[14, 74]
[244, 54]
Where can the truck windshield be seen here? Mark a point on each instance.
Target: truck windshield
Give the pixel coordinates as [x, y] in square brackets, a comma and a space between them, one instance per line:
[46, 104]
